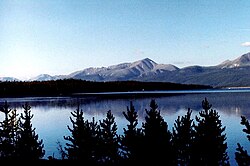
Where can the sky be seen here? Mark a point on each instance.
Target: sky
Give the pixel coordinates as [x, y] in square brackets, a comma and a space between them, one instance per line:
[59, 37]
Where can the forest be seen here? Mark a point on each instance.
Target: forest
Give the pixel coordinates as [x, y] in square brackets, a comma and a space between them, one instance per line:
[67, 87]
[192, 141]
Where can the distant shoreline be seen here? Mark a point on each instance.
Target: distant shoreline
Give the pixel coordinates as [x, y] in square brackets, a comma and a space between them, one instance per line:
[160, 92]
[70, 86]
[235, 87]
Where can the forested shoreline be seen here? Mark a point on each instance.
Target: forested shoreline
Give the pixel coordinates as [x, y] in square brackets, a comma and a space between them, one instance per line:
[67, 87]
[192, 141]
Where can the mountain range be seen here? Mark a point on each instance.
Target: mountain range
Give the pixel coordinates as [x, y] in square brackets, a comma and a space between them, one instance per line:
[234, 73]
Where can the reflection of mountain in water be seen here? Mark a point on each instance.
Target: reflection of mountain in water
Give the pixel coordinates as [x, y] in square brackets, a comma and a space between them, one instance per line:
[228, 103]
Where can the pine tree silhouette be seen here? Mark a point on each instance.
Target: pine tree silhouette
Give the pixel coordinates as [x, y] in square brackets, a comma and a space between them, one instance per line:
[7, 132]
[209, 146]
[82, 142]
[109, 143]
[93, 139]
[158, 148]
[241, 156]
[132, 139]
[15, 125]
[28, 146]
[183, 135]
[75, 149]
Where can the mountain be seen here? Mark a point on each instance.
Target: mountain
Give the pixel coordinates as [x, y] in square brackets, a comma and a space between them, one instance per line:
[230, 73]
[241, 61]
[235, 73]
[123, 71]
[42, 77]
[216, 77]
[8, 79]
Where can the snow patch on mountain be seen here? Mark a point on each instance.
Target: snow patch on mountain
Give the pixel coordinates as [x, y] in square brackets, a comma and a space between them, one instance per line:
[3, 79]
[42, 77]
[241, 61]
[123, 71]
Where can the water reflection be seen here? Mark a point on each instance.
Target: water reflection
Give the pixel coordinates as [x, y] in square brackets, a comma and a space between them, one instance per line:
[51, 114]
[229, 103]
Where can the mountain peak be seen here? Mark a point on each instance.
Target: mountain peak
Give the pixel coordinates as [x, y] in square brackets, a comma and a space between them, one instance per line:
[42, 77]
[145, 64]
[8, 79]
[147, 60]
[243, 60]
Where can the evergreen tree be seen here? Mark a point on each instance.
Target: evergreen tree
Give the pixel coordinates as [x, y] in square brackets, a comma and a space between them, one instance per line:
[75, 149]
[7, 144]
[61, 151]
[132, 139]
[109, 143]
[83, 138]
[15, 125]
[183, 134]
[93, 137]
[209, 146]
[28, 146]
[241, 156]
[158, 148]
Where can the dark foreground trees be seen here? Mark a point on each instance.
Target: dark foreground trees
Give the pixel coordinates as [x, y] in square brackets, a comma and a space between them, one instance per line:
[198, 141]
[203, 143]
[83, 142]
[18, 139]
[183, 138]
[158, 147]
[241, 155]
[92, 142]
[28, 145]
[209, 143]
[132, 139]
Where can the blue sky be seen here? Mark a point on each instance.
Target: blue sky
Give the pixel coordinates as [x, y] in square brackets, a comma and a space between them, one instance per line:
[63, 36]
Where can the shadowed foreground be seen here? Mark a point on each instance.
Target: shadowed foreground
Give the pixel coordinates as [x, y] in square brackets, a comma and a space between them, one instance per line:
[199, 141]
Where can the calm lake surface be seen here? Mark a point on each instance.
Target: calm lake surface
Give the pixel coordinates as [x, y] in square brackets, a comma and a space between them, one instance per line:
[51, 114]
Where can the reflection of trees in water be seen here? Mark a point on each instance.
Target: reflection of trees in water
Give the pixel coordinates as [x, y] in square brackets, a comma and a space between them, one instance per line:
[228, 103]
[39, 101]
[234, 104]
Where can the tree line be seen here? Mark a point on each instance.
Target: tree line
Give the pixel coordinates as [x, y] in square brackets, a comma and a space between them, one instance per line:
[190, 142]
[67, 87]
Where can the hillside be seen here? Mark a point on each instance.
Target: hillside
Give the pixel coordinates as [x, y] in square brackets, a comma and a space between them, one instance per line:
[226, 74]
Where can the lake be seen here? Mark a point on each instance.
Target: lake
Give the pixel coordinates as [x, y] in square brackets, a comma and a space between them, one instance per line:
[51, 114]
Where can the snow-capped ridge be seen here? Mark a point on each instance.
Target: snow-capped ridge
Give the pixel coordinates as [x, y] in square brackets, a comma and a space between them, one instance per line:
[122, 71]
[243, 60]
[8, 79]
[42, 77]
